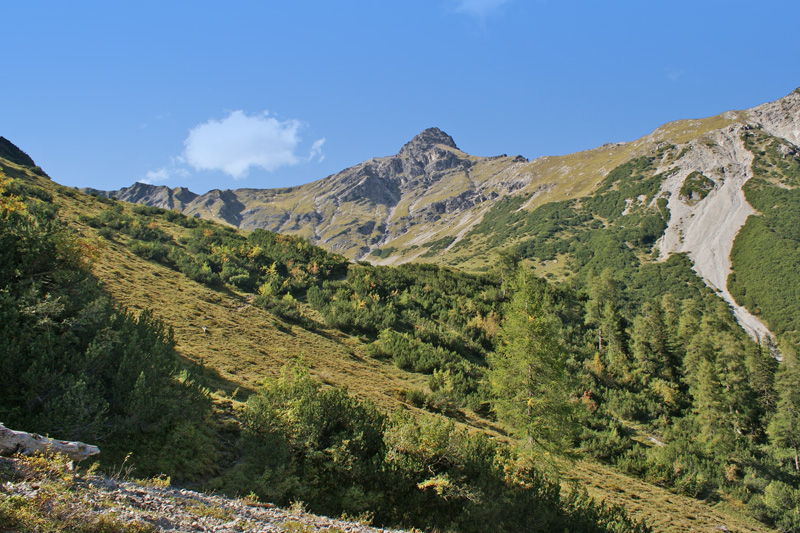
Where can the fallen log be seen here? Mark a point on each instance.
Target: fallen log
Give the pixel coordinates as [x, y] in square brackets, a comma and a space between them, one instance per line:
[12, 442]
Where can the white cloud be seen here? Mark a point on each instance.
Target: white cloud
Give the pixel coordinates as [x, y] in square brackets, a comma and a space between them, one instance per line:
[236, 144]
[164, 174]
[156, 176]
[316, 151]
[240, 142]
[478, 8]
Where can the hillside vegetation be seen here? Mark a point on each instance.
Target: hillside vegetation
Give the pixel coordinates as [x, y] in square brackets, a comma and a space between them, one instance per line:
[767, 249]
[299, 441]
[395, 392]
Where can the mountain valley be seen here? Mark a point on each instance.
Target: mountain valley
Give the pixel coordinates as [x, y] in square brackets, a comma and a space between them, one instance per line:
[418, 322]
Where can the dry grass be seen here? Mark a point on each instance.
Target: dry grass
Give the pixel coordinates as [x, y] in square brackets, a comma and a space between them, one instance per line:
[662, 509]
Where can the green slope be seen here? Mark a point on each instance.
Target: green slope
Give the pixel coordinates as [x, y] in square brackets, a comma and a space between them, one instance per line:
[245, 304]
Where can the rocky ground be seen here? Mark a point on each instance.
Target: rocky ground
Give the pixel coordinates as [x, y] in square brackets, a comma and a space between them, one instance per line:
[92, 500]
[706, 229]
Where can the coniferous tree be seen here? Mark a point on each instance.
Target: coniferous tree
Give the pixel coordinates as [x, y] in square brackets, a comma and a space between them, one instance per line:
[762, 366]
[709, 408]
[784, 428]
[740, 404]
[652, 348]
[528, 373]
[602, 311]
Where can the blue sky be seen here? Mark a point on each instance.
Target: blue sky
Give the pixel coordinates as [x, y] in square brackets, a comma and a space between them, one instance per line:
[270, 94]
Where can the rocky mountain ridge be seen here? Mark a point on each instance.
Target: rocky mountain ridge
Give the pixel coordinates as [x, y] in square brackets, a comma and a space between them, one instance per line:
[431, 190]
[423, 201]
[429, 181]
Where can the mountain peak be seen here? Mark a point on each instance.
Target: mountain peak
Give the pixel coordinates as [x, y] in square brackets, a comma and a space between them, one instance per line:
[428, 138]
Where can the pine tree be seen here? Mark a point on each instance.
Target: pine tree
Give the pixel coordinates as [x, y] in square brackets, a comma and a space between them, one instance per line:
[652, 346]
[762, 366]
[784, 428]
[603, 312]
[528, 373]
[710, 409]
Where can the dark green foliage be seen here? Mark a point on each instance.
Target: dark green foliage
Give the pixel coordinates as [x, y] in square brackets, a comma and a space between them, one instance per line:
[766, 251]
[437, 304]
[77, 367]
[152, 251]
[315, 445]
[286, 308]
[339, 455]
[412, 354]
[698, 389]
[437, 246]
[695, 187]
[784, 428]
[215, 255]
[529, 372]
[779, 506]
[148, 210]
[383, 253]
[622, 187]
[427, 318]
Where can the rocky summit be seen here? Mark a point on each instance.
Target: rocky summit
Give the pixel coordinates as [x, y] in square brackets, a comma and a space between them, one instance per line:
[430, 200]
[396, 201]
[387, 209]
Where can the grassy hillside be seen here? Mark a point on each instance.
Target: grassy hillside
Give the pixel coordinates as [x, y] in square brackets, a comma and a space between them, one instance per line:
[414, 338]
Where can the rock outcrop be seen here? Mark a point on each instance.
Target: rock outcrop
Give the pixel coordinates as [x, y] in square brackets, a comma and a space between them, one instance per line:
[421, 191]
[153, 195]
[780, 118]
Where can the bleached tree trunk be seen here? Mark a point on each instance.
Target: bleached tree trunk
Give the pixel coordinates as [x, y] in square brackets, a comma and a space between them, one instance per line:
[12, 442]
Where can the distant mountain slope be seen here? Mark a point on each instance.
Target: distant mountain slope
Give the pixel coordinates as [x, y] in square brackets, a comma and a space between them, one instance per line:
[430, 201]
[391, 209]
[413, 195]
[11, 152]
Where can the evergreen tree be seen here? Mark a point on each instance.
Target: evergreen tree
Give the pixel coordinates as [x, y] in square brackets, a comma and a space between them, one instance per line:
[740, 405]
[652, 346]
[528, 373]
[709, 408]
[784, 428]
[762, 366]
[603, 312]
